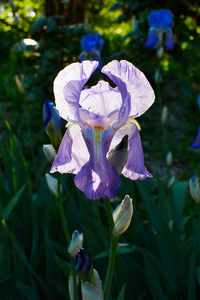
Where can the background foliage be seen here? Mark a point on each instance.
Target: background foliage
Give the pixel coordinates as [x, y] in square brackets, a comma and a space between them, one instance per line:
[160, 258]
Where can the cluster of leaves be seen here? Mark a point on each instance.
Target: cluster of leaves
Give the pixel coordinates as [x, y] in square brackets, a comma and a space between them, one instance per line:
[159, 258]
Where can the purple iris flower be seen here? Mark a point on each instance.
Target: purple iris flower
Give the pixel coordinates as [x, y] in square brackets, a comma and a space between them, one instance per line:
[160, 22]
[99, 118]
[92, 42]
[83, 263]
[52, 123]
[196, 143]
[91, 46]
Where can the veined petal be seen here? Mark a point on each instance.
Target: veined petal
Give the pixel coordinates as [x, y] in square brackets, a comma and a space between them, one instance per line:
[132, 84]
[134, 167]
[67, 88]
[101, 99]
[72, 153]
[97, 178]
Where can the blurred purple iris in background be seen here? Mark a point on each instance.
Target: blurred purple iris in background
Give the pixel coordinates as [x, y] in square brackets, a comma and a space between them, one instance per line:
[196, 143]
[52, 123]
[160, 23]
[91, 45]
[98, 120]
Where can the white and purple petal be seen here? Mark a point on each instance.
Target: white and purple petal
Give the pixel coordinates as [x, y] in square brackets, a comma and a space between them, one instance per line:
[67, 88]
[97, 178]
[134, 167]
[101, 99]
[72, 153]
[131, 83]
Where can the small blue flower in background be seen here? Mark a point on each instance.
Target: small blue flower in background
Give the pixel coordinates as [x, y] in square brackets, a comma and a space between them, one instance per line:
[160, 22]
[92, 42]
[91, 45]
[196, 143]
[52, 123]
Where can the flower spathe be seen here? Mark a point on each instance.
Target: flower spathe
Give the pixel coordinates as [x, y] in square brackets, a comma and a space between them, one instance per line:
[160, 22]
[98, 119]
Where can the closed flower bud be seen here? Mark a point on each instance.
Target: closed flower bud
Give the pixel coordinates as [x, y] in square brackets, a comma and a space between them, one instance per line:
[84, 265]
[52, 184]
[157, 76]
[171, 180]
[160, 51]
[52, 123]
[164, 115]
[49, 152]
[122, 216]
[92, 290]
[117, 157]
[76, 243]
[169, 159]
[71, 287]
[194, 188]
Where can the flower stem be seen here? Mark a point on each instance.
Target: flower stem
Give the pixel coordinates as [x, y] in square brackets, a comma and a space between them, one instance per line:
[67, 235]
[113, 251]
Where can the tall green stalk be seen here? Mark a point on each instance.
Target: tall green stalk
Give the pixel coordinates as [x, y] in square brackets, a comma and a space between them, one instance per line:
[113, 251]
[67, 235]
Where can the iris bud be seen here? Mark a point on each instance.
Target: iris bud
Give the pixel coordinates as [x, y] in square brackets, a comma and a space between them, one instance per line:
[164, 115]
[49, 152]
[122, 216]
[71, 287]
[92, 290]
[76, 243]
[171, 180]
[194, 188]
[52, 123]
[83, 265]
[169, 159]
[117, 156]
[52, 184]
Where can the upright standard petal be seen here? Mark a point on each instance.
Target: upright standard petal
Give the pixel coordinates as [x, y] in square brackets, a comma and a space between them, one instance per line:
[160, 18]
[67, 88]
[131, 82]
[101, 99]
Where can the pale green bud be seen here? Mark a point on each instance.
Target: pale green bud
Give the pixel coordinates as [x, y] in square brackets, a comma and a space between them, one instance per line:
[49, 152]
[171, 180]
[71, 286]
[122, 216]
[92, 290]
[169, 159]
[157, 76]
[194, 188]
[164, 115]
[76, 243]
[52, 184]
[160, 51]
